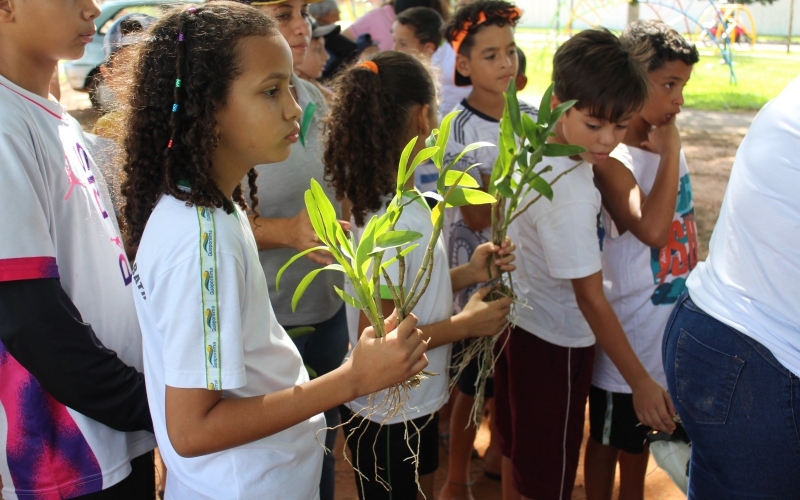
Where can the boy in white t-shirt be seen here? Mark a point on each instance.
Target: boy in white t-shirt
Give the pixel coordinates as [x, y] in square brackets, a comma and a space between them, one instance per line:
[649, 248]
[543, 377]
[73, 407]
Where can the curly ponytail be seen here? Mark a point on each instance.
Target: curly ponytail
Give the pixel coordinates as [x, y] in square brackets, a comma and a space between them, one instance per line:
[368, 127]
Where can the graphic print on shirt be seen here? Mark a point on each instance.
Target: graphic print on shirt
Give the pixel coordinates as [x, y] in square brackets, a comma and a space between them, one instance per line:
[671, 264]
[78, 166]
[39, 429]
[463, 242]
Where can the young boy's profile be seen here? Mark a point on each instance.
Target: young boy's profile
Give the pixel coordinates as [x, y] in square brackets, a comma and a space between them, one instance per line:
[73, 402]
[417, 30]
[649, 248]
[543, 377]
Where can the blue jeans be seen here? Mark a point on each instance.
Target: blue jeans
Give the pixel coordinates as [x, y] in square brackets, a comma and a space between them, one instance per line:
[324, 350]
[739, 405]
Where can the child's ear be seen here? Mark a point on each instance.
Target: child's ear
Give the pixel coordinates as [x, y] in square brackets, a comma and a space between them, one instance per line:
[463, 65]
[428, 49]
[554, 101]
[521, 81]
[422, 122]
[6, 11]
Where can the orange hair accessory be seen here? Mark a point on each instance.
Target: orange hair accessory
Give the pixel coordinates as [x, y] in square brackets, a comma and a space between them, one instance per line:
[370, 65]
[514, 13]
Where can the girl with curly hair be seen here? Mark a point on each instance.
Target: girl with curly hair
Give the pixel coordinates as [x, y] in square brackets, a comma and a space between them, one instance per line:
[380, 105]
[209, 100]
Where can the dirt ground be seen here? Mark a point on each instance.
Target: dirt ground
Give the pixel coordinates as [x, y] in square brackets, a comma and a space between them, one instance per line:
[709, 151]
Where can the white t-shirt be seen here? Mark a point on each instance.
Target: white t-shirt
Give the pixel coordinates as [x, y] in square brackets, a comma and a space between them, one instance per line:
[207, 321]
[468, 127]
[556, 242]
[643, 283]
[59, 223]
[444, 63]
[435, 305]
[751, 279]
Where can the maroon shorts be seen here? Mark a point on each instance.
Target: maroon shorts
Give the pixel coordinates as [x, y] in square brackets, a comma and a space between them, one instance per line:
[540, 396]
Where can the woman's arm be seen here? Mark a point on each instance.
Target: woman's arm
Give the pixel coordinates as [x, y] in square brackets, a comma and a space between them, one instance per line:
[200, 421]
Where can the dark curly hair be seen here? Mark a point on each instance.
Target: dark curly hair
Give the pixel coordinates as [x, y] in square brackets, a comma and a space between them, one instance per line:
[368, 127]
[497, 12]
[595, 69]
[163, 147]
[660, 42]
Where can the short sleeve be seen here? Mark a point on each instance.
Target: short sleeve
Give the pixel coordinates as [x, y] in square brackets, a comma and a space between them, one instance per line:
[200, 334]
[27, 251]
[569, 237]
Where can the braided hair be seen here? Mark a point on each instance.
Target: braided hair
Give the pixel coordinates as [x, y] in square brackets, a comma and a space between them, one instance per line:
[180, 77]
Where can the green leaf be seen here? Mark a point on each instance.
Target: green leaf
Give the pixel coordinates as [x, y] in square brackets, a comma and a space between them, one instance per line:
[403, 165]
[293, 333]
[522, 158]
[431, 140]
[504, 188]
[347, 298]
[422, 156]
[292, 260]
[443, 137]
[326, 211]
[531, 130]
[311, 372]
[307, 279]
[553, 150]
[308, 114]
[544, 108]
[557, 112]
[314, 215]
[513, 107]
[543, 187]
[405, 251]
[366, 245]
[397, 238]
[467, 149]
[460, 197]
[457, 177]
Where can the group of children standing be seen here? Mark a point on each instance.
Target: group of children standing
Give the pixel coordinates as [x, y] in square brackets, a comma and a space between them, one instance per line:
[211, 97]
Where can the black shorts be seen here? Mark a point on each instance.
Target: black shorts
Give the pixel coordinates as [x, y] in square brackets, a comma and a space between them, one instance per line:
[466, 382]
[389, 442]
[613, 422]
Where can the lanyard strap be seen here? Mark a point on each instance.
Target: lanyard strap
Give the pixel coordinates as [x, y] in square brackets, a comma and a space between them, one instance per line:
[210, 300]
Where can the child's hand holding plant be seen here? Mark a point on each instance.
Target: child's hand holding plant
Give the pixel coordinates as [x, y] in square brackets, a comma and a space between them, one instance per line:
[377, 363]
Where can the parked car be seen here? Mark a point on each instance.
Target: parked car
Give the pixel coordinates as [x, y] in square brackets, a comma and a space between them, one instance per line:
[84, 74]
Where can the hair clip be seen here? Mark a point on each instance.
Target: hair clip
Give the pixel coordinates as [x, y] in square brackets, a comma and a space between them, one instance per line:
[192, 9]
[370, 65]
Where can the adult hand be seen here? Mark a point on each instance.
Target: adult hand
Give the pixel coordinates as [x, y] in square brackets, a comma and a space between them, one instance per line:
[664, 138]
[378, 363]
[653, 406]
[303, 237]
[484, 319]
[504, 256]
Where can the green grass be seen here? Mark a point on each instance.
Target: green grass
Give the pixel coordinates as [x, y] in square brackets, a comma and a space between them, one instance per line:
[760, 77]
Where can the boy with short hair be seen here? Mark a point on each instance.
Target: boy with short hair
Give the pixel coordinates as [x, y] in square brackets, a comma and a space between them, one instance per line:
[650, 246]
[73, 398]
[482, 37]
[543, 377]
[417, 30]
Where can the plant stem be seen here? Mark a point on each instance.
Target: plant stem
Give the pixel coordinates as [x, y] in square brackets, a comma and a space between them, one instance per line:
[519, 212]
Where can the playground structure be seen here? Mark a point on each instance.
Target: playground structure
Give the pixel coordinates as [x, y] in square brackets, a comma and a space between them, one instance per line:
[714, 24]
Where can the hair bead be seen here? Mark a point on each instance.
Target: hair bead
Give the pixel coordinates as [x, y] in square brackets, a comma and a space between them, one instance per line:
[169, 144]
[180, 37]
[175, 108]
[177, 83]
